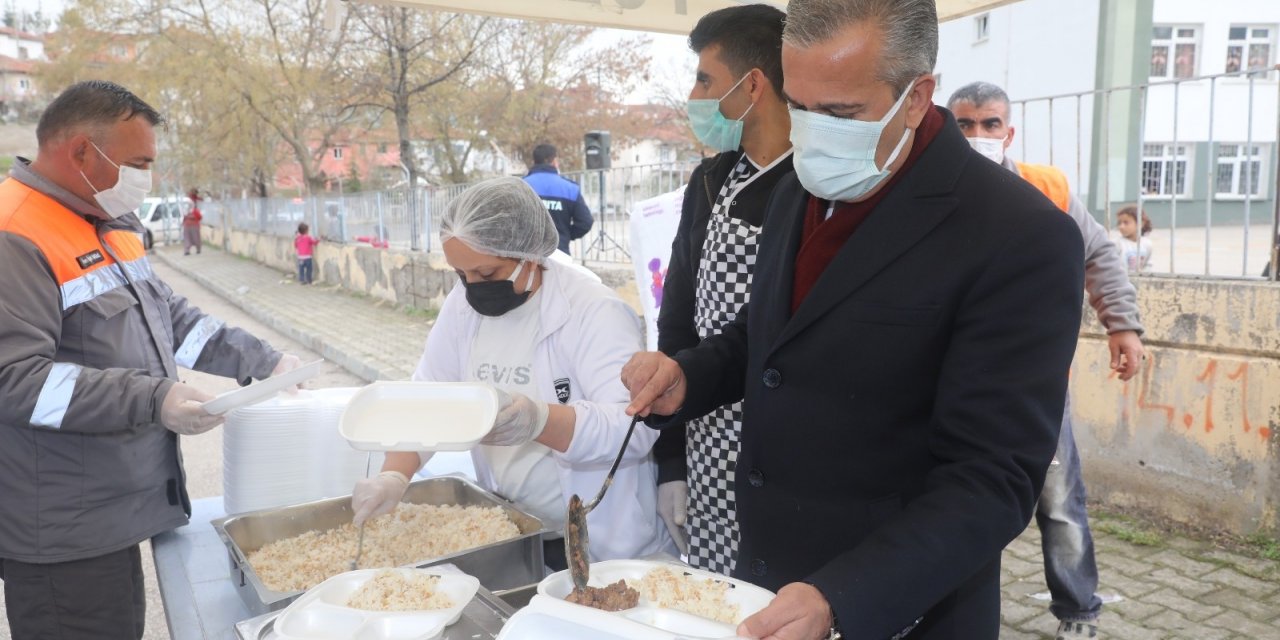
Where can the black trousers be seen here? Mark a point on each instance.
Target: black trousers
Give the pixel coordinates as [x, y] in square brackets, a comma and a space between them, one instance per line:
[98, 598]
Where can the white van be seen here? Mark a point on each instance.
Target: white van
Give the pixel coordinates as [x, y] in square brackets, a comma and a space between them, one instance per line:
[162, 219]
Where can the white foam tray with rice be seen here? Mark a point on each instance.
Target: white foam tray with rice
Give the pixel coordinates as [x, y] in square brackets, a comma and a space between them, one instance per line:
[323, 614]
[419, 416]
[550, 617]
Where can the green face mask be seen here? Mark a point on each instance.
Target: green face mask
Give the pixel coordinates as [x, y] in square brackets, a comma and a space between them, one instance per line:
[711, 127]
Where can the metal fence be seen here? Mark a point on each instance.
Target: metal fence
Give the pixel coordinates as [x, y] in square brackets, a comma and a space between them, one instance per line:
[1198, 155]
[409, 219]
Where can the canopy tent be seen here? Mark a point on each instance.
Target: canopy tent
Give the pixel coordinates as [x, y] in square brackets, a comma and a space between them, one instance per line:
[662, 16]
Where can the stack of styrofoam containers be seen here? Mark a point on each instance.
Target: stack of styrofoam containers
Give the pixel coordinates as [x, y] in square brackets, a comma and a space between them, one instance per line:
[287, 450]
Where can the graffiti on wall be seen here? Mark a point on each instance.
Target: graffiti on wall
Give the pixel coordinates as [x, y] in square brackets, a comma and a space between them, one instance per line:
[1213, 400]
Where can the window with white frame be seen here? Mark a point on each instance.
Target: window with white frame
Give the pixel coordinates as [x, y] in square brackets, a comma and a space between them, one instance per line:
[1250, 47]
[1173, 51]
[981, 28]
[1165, 170]
[337, 153]
[1241, 170]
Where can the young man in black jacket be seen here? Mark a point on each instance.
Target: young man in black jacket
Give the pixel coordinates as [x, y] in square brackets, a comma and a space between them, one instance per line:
[735, 108]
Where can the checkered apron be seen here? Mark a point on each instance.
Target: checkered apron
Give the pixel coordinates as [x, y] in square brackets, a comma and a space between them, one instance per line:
[724, 280]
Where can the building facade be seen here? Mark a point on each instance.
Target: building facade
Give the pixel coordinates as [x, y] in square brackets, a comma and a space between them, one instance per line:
[1169, 102]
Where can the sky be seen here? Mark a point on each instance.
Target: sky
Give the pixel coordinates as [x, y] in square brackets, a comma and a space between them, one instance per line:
[48, 7]
[672, 64]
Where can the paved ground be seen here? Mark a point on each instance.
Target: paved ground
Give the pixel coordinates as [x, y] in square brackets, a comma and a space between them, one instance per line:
[1168, 586]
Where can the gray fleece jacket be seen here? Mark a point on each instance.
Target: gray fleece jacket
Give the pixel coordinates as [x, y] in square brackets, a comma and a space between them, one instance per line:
[1106, 282]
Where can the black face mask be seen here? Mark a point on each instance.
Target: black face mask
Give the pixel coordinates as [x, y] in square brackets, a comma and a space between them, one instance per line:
[495, 298]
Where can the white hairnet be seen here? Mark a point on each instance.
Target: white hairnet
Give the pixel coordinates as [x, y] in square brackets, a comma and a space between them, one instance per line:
[501, 217]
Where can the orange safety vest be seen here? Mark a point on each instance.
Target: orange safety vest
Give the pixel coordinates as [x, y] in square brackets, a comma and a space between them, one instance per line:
[82, 265]
[1049, 180]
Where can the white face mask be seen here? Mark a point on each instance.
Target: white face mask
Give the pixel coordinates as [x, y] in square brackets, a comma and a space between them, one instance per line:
[835, 158]
[131, 188]
[990, 148]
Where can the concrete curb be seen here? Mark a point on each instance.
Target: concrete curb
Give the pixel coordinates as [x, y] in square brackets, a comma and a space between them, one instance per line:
[315, 342]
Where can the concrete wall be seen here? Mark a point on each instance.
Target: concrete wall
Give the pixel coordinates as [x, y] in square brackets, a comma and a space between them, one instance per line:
[1192, 437]
[410, 279]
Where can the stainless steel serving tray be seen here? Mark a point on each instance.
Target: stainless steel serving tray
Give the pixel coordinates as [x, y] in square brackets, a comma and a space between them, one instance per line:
[502, 565]
[482, 619]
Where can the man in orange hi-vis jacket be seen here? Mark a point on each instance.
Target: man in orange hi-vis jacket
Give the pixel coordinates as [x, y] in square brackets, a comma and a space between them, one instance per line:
[90, 345]
[982, 112]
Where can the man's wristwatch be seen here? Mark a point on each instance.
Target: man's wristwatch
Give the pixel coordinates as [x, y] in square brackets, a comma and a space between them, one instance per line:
[835, 634]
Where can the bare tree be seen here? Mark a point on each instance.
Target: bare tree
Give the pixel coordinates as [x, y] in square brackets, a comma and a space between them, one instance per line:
[411, 54]
[538, 82]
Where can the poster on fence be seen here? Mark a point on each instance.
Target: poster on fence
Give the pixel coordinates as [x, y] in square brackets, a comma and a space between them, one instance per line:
[653, 227]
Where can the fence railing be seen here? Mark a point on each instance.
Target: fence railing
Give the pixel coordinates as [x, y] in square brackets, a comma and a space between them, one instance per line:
[409, 218]
[1198, 155]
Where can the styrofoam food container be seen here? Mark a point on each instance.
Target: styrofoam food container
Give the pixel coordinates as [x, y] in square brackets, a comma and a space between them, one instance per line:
[262, 389]
[419, 416]
[321, 613]
[748, 597]
[548, 618]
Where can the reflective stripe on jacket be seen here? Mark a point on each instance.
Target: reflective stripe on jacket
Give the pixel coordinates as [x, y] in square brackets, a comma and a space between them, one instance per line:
[90, 342]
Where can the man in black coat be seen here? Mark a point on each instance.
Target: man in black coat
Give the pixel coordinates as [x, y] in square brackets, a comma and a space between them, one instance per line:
[709, 275]
[903, 361]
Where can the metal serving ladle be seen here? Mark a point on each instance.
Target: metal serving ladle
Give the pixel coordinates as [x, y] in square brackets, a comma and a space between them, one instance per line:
[576, 539]
[368, 464]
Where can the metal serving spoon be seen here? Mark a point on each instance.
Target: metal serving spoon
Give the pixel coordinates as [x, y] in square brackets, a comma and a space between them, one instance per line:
[576, 539]
[368, 464]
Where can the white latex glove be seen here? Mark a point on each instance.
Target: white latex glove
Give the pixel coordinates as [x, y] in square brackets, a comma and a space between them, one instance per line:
[520, 420]
[181, 413]
[673, 507]
[378, 495]
[288, 362]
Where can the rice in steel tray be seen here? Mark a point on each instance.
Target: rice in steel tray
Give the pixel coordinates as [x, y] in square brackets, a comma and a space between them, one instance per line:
[393, 591]
[703, 597]
[411, 533]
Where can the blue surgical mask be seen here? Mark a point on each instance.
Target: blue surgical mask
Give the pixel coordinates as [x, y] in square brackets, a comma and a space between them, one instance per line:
[711, 127]
[835, 158]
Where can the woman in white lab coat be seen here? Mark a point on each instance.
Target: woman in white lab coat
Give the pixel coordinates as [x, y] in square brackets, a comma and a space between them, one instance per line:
[553, 341]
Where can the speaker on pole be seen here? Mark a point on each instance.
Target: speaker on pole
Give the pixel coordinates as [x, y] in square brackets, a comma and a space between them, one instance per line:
[596, 144]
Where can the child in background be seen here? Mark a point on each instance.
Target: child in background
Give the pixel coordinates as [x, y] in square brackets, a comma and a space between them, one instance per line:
[305, 243]
[1133, 243]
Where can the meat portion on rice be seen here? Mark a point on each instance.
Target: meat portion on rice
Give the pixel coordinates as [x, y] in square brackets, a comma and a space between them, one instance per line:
[615, 597]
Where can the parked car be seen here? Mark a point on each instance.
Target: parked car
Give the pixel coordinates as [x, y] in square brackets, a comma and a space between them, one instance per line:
[162, 219]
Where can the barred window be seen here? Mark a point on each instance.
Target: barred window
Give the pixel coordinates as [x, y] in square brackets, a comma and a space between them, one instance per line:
[1165, 170]
[1240, 170]
[1249, 47]
[1173, 51]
